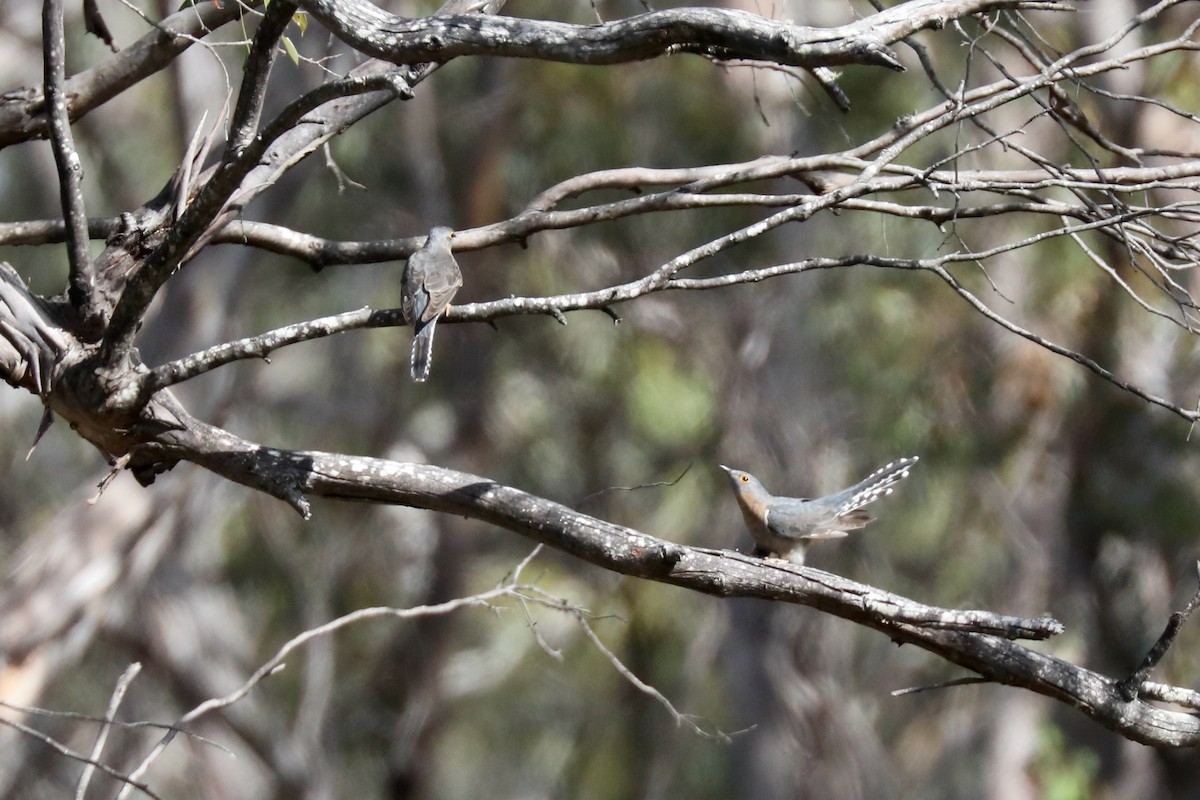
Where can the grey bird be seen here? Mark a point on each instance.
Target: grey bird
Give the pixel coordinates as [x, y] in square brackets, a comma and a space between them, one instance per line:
[431, 279]
[783, 527]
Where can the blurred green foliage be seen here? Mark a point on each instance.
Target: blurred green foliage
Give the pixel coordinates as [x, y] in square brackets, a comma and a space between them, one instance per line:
[1030, 468]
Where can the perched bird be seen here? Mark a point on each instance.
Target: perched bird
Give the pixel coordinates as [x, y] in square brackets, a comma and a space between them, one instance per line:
[784, 526]
[431, 279]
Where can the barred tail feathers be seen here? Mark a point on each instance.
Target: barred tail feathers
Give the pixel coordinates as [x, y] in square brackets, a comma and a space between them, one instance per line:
[876, 485]
[422, 351]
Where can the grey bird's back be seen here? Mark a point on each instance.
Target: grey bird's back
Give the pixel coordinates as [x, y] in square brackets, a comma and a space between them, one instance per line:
[430, 280]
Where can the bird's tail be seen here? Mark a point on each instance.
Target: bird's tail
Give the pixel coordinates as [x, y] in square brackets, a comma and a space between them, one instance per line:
[876, 485]
[422, 351]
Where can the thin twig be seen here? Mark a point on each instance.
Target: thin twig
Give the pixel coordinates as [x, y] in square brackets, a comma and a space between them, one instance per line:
[113, 723]
[1128, 687]
[277, 662]
[653, 485]
[130, 782]
[114, 703]
[968, 681]
[643, 687]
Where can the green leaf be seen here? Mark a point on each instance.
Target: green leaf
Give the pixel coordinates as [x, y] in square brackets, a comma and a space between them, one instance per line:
[301, 20]
[291, 50]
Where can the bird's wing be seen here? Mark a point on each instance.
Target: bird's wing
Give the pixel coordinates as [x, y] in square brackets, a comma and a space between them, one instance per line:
[431, 278]
[788, 516]
[442, 284]
[413, 299]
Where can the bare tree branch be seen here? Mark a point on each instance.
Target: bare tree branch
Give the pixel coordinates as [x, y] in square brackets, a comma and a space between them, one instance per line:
[253, 90]
[249, 167]
[217, 195]
[128, 780]
[291, 474]
[715, 33]
[1129, 687]
[118, 696]
[125, 409]
[261, 346]
[82, 282]
[513, 588]
[21, 117]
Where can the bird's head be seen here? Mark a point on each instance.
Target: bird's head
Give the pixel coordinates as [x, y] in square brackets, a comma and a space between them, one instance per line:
[743, 482]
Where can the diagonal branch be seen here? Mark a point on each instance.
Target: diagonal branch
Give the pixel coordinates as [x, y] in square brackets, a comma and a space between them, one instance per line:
[510, 588]
[1130, 686]
[261, 346]
[1191, 415]
[66, 751]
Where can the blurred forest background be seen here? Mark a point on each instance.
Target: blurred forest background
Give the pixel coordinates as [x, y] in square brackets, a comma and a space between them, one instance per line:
[1041, 489]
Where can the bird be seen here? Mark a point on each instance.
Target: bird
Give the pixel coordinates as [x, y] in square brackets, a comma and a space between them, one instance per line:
[783, 527]
[430, 280]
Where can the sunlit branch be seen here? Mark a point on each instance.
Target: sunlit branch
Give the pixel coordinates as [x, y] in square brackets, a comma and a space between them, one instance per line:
[257, 347]
[277, 662]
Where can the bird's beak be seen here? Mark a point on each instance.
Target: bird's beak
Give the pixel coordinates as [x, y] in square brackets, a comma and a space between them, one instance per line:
[727, 469]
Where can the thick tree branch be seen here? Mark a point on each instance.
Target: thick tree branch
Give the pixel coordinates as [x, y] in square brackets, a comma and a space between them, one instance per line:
[292, 475]
[965, 638]
[715, 33]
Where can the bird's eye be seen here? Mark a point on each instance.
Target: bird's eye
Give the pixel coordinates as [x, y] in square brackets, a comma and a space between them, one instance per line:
[745, 479]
